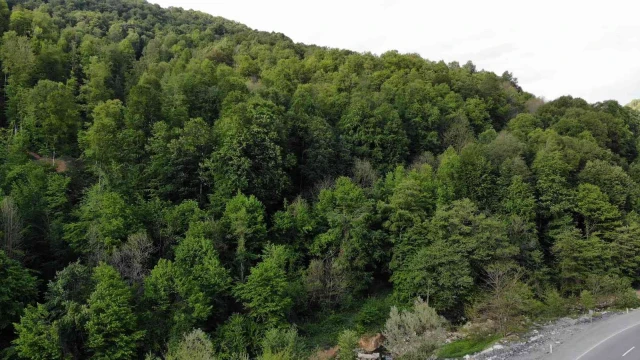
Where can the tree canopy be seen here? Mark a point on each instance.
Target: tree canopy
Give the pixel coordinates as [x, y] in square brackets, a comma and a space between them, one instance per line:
[177, 185]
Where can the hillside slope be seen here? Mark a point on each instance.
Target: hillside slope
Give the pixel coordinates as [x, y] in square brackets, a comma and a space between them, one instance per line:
[230, 180]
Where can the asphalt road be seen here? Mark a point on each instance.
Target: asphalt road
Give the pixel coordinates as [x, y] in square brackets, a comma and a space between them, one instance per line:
[615, 338]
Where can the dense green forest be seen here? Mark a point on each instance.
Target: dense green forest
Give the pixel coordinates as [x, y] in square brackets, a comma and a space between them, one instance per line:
[176, 185]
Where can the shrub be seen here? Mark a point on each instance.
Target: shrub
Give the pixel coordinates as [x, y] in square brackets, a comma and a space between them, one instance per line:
[194, 346]
[372, 314]
[611, 290]
[587, 301]
[281, 344]
[507, 303]
[348, 342]
[556, 305]
[415, 333]
[238, 335]
[627, 299]
[605, 288]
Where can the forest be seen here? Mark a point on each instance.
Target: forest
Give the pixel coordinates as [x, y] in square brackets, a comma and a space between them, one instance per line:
[175, 185]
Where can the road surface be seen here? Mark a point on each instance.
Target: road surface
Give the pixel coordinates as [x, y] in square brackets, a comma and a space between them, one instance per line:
[615, 338]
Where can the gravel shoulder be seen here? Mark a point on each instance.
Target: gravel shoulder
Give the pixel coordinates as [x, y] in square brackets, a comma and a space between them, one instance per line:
[536, 344]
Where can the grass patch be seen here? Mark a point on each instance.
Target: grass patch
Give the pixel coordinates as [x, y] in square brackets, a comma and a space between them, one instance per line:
[460, 348]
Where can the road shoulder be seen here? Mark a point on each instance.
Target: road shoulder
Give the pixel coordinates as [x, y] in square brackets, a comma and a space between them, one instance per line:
[568, 338]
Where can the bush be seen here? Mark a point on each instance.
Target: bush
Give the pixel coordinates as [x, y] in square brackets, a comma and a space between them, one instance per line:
[194, 346]
[507, 303]
[238, 335]
[587, 301]
[372, 314]
[414, 334]
[281, 344]
[627, 299]
[605, 288]
[556, 305]
[612, 291]
[348, 342]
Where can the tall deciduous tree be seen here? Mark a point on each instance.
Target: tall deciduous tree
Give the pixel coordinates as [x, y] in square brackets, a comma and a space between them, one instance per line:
[250, 157]
[347, 234]
[112, 325]
[17, 289]
[110, 148]
[11, 228]
[244, 224]
[266, 293]
[184, 293]
[37, 337]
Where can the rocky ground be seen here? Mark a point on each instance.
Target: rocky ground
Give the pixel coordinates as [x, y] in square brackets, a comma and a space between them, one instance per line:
[535, 345]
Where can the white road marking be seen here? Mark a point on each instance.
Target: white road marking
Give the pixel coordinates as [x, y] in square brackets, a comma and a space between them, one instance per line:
[628, 351]
[598, 344]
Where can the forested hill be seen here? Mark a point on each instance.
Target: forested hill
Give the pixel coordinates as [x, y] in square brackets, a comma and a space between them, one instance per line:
[177, 185]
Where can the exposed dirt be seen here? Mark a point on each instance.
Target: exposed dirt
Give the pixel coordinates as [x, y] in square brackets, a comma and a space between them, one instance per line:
[59, 164]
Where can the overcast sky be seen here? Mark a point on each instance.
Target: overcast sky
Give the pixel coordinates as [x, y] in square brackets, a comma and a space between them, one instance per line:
[588, 49]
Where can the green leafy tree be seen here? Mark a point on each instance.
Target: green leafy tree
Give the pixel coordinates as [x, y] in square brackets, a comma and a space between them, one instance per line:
[37, 337]
[5, 13]
[375, 133]
[109, 147]
[51, 117]
[104, 221]
[346, 222]
[294, 225]
[282, 344]
[112, 325]
[626, 246]
[587, 301]
[412, 201]
[195, 345]
[96, 89]
[202, 279]
[524, 124]
[250, 157]
[448, 176]
[66, 300]
[455, 247]
[18, 60]
[578, 258]
[267, 291]
[317, 150]
[41, 198]
[144, 104]
[18, 288]
[160, 290]
[184, 293]
[438, 273]
[552, 171]
[477, 180]
[243, 221]
[347, 344]
[175, 171]
[612, 180]
[237, 337]
[599, 215]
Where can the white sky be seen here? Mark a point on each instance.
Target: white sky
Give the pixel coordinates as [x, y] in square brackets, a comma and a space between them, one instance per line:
[587, 48]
